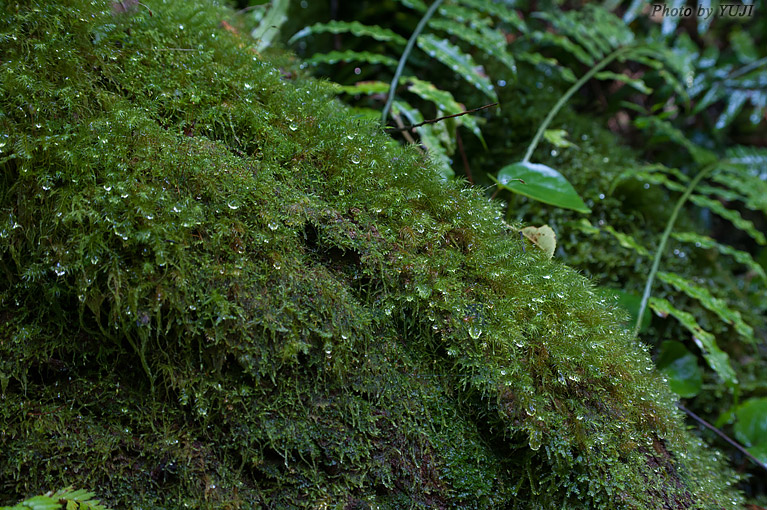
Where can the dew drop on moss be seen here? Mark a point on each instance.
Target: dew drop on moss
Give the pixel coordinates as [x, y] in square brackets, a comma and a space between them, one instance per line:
[356, 158]
[475, 332]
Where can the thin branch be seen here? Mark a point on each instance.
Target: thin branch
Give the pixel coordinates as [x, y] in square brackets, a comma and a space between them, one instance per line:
[721, 434]
[432, 121]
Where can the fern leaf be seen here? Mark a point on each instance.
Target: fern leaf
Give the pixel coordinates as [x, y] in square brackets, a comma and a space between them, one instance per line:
[350, 27]
[730, 214]
[708, 243]
[670, 22]
[735, 102]
[627, 241]
[363, 87]
[269, 28]
[537, 59]
[636, 83]
[417, 5]
[711, 303]
[460, 62]
[487, 40]
[566, 44]
[716, 358]
[428, 137]
[334, 57]
[749, 188]
[445, 102]
[500, 11]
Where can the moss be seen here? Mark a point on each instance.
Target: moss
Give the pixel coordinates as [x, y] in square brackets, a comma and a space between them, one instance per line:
[222, 290]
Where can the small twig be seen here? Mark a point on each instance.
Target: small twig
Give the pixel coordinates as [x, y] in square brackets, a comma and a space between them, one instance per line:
[466, 166]
[721, 434]
[432, 121]
[407, 135]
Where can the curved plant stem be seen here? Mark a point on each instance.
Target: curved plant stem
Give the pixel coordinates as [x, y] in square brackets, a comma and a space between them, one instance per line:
[405, 54]
[567, 95]
[664, 238]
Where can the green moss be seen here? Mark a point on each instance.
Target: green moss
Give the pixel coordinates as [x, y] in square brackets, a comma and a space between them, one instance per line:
[222, 290]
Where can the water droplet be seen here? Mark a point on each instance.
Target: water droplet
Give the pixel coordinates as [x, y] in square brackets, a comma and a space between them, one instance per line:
[192, 308]
[293, 126]
[475, 332]
[107, 188]
[233, 206]
[277, 265]
[547, 277]
[273, 225]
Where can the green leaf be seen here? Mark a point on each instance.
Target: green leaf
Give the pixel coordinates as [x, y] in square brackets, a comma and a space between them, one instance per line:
[759, 451]
[638, 84]
[626, 241]
[714, 304]
[558, 138]
[505, 14]
[751, 421]
[429, 138]
[352, 27]
[269, 28]
[489, 41]
[334, 57]
[541, 183]
[749, 186]
[460, 62]
[445, 102]
[730, 214]
[716, 358]
[706, 242]
[681, 368]
[364, 87]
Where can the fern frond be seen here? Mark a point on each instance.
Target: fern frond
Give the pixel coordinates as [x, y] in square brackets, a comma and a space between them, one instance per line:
[732, 215]
[711, 303]
[488, 40]
[334, 57]
[429, 137]
[716, 358]
[445, 102]
[749, 186]
[67, 498]
[705, 242]
[350, 27]
[364, 87]
[503, 13]
[454, 58]
[636, 83]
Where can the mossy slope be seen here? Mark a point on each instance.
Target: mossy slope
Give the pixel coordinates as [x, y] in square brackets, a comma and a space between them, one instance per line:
[220, 289]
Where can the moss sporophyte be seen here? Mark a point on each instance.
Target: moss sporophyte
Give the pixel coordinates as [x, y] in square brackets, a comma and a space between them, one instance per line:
[221, 290]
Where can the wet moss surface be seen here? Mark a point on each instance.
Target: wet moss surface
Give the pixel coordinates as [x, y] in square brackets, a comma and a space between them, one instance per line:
[220, 289]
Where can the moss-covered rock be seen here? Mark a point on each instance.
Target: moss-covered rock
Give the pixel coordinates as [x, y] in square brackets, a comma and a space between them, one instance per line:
[220, 289]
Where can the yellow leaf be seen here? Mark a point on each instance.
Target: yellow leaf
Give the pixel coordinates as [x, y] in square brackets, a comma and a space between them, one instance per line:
[543, 237]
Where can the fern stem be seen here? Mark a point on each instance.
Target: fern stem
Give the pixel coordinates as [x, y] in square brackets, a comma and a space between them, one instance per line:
[405, 54]
[664, 238]
[567, 95]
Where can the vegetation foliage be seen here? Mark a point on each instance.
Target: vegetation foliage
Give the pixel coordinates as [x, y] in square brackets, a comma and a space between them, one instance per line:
[222, 289]
[693, 104]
